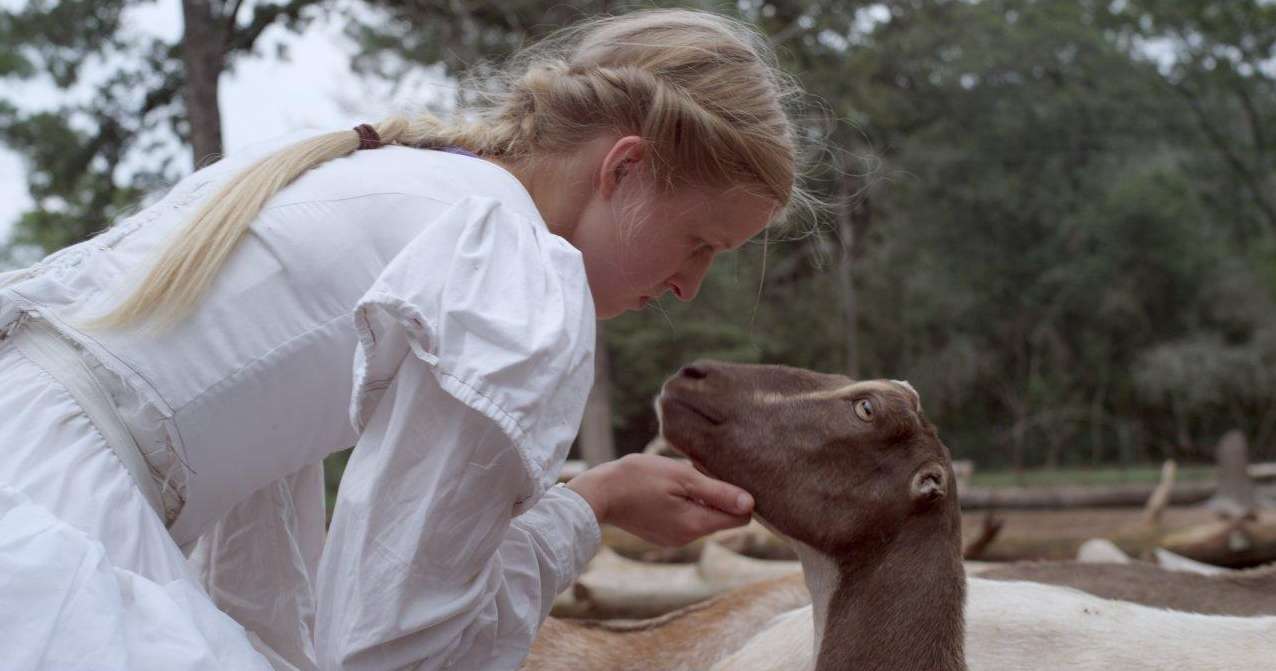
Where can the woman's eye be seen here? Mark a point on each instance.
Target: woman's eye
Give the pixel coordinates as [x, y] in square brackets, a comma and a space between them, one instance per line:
[864, 409]
[699, 253]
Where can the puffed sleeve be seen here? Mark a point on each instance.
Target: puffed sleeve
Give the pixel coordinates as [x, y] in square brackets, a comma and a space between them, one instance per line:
[475, 360]
[500, 309]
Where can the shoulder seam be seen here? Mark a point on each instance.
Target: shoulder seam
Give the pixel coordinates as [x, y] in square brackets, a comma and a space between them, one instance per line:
[310, 201]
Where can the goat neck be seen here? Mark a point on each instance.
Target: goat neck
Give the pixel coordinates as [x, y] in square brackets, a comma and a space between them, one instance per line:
[897, 608]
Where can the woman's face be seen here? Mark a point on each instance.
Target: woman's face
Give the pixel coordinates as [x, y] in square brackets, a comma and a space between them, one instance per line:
[636, 252]
[638, 242]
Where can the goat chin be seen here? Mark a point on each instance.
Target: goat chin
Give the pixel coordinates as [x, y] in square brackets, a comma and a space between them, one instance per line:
[1012, 626]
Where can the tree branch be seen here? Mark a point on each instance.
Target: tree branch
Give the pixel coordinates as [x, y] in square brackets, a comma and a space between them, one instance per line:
[1251, 116]
[263, 17]
[794, 27]
[229, 28]
[1220, 143]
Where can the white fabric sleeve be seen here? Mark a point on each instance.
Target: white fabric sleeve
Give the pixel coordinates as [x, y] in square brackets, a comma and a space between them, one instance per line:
[259, 565]
[500, 309]
[475, 360]
[425, 565]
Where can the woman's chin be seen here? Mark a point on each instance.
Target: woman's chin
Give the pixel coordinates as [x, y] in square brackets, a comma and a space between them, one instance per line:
[608, 311]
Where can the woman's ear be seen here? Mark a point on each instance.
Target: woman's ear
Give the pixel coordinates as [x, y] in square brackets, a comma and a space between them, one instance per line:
[620, 162]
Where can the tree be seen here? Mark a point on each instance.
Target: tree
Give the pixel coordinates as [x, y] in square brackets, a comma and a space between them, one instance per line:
[1061, 235]
[76, 153]
[1216, 58]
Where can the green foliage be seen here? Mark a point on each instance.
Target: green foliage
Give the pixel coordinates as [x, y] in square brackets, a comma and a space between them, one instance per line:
[60, 36]
[76, 152]
[1059, 217]
[461, 35]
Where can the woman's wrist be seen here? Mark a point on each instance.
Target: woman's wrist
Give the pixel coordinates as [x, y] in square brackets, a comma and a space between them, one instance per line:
[591, 486]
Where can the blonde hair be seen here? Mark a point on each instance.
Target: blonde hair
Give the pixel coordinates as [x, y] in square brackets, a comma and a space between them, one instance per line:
[702, 91]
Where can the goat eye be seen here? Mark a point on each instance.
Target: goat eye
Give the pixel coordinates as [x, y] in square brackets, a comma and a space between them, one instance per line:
[864, 409]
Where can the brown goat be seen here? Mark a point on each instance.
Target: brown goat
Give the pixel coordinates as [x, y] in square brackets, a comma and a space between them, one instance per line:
[857, 478]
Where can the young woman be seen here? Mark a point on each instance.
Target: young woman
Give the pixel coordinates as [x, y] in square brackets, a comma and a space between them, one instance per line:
[423, 290]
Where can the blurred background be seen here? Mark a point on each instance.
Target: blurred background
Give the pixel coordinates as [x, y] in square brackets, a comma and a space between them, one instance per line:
[1057, 219]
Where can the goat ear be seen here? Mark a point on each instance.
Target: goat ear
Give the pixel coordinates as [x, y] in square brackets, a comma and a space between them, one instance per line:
[930, 484]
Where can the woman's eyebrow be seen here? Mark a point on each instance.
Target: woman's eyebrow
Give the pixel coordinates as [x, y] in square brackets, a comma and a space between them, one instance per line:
[718, 244]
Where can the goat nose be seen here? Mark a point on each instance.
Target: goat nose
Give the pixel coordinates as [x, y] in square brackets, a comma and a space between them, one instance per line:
[694, 371]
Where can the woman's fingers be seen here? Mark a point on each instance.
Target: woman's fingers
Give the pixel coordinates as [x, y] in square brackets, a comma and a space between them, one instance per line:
[662, 500]
[711, 504]
[698, 520]
[717, 494]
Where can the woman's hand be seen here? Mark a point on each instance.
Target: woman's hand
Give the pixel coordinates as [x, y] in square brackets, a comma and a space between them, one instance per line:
[661, 500]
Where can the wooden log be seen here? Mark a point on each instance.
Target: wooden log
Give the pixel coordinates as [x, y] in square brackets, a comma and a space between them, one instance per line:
[723, 569]
[1056, 498]
[1232, 543]
[974, 548]
[1059, 534]
[1160, 497]
[1109, 496]
[1193, 532]
[756, 541]
[1263, 472]
[751, 540]
[616, 587]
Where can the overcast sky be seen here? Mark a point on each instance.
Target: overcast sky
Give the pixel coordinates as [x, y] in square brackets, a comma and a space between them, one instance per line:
[263, 98]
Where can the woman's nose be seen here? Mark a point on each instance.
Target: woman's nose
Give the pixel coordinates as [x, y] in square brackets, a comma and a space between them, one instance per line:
[687, 284]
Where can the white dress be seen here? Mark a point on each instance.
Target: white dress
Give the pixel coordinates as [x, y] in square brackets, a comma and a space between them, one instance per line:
[411, 303]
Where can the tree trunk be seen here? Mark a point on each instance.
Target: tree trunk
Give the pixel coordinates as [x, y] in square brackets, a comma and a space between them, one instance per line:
[204, 58]
[1235, 498]
[1097, 403]
[596, 443]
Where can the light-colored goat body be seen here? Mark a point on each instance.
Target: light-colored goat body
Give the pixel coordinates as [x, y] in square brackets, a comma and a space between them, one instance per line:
[690, 639]
[1011, 626]
[616, 587]
[1176, 562]
[1100, 551]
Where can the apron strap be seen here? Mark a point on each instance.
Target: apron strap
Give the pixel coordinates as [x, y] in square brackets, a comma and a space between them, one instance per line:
[46, 348]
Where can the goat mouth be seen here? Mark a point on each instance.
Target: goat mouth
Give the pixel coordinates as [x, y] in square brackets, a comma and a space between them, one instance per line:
[668, 400]
[695, 463]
